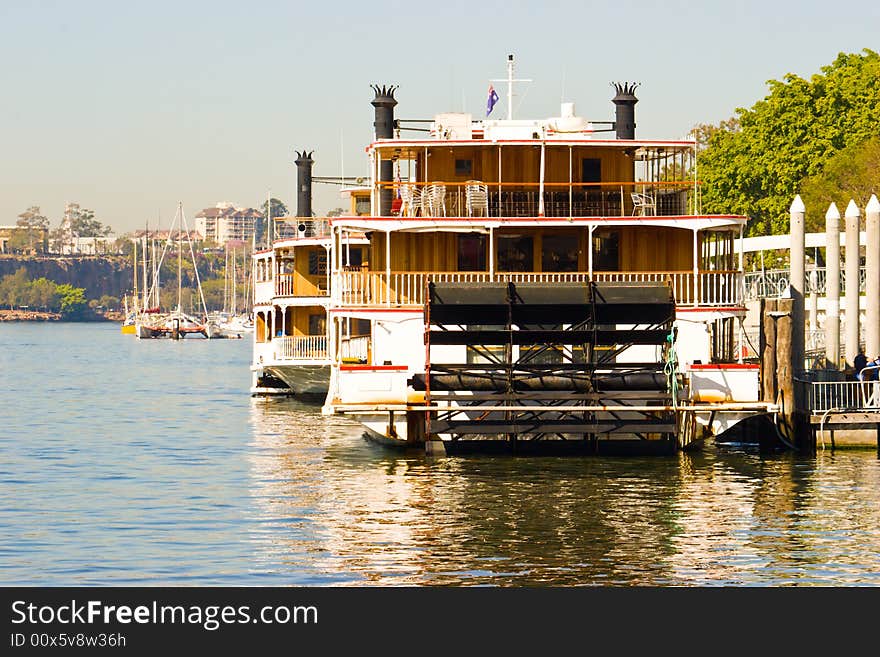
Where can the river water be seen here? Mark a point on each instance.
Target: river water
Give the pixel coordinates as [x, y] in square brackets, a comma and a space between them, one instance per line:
[127, 462]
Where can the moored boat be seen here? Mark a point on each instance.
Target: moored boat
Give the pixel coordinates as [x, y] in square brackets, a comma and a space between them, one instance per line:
[532, 282]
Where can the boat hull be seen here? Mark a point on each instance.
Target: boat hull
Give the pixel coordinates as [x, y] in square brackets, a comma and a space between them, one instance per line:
[312, 380]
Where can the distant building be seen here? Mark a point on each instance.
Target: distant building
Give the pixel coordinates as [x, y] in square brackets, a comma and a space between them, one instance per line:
[39, 239]
[226, 223]
[89, 245]
[164, 235]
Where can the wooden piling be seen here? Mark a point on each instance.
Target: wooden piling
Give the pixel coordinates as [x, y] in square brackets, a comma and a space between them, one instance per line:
[785, 366]
[768, 352]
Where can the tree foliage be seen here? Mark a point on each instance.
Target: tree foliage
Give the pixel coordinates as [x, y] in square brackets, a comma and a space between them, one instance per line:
[17, 290]
[84, 224]
[34, 226]
[72, 300]
[853, 173]
[755, 165]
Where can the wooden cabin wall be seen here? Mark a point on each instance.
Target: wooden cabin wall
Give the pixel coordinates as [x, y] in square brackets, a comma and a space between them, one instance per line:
[641, 248]
[656, 249]
[521, 164]
[304, 283]
[301, 317]
[416, 252]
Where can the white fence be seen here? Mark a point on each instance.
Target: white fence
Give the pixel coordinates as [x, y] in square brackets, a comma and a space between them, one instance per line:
[355, 349]
[301, 347]
[365, 288]
[846, 395]
[774, 283]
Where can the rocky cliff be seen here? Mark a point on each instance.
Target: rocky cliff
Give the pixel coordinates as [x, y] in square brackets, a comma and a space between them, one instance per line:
[99, 275]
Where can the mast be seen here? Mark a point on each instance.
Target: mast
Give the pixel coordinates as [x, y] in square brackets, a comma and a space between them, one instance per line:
[146, 285]
[234, 304]
[510, 80]
[179, 263]
[135, 271]
[226, 278]
[156, 282]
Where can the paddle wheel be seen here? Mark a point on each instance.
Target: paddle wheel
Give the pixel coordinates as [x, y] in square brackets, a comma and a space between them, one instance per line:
[550, 366]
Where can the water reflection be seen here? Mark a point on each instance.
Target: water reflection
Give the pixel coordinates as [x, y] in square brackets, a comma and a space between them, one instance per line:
[331, 508]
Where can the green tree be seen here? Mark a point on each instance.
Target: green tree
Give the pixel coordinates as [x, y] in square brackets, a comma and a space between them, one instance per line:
[72, 300]
[15, 288]
[43, 294]
[20, 241]
[34, 225]
[853, 173]
[84, 224]
[278, 210]
[791, 134]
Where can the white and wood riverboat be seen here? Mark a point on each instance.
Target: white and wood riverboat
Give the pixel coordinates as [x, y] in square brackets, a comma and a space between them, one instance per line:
[534, 284]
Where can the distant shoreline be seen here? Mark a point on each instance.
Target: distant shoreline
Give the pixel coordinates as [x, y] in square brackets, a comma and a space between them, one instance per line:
[44, 316]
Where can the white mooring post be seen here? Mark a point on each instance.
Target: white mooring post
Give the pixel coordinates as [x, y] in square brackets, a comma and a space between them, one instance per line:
[852, 216]
[832, 286]
[872, 278]
[798, 277]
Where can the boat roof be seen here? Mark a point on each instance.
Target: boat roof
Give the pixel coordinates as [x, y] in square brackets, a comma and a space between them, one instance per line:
[643, 147]
[483, 224]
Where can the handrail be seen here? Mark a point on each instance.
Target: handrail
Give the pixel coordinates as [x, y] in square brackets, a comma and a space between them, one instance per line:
[406, 288]
[844, 395]
[574, 183]
[301, 347]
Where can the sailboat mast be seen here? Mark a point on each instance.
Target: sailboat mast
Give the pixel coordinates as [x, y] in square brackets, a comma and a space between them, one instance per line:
[226, 278]
[179, 267]
[156, 282]
[135, 271]
[146, 286]
[234, 300]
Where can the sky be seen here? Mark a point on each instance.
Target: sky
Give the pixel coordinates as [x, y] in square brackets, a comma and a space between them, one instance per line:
[127, 108]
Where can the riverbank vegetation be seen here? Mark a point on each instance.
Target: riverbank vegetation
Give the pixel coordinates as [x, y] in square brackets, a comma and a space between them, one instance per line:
[18, 291]
[819, 137]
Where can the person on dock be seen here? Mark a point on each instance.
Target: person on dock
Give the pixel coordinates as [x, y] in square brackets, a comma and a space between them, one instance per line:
[859, 363]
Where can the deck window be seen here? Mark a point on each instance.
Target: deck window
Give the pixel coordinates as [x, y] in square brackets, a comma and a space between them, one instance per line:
[354, 256]
[471, 253]
[559, 253]
[606, 248]
[464, 168]
[317, 324]
[515, 253]
[362, 205]
[317, 262]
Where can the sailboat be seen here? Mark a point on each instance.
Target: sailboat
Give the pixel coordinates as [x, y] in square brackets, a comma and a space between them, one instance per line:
[176, 324]
[234, 322]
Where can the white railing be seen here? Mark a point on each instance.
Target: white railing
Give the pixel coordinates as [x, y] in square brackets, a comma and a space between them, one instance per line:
[365, 288]
[356, 349]
[774, 283]
[263, 291]
[285, 286]
[844, 395]
[301, 347]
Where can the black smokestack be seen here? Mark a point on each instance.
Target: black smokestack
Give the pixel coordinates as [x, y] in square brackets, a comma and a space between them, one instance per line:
[625, 102]
[384, 103]
[304, 164]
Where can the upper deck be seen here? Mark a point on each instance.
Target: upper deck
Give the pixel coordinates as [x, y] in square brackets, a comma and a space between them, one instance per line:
[555, 167]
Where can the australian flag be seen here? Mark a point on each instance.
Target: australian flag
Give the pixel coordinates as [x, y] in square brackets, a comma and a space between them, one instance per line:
[493, 98]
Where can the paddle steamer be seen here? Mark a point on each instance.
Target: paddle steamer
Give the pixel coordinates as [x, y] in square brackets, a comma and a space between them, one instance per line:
[531, 284]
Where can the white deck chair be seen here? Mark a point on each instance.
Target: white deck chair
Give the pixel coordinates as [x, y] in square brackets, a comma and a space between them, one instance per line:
[477, 198]
[434, 200]
[643, 205]
[411, 200]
